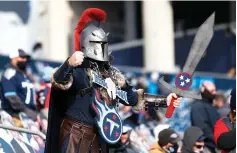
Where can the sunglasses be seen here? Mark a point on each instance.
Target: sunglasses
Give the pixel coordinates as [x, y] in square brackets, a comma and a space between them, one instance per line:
[199, 146]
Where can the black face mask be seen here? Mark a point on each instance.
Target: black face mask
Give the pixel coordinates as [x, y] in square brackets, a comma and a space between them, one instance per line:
[206, 94]
[22, 65]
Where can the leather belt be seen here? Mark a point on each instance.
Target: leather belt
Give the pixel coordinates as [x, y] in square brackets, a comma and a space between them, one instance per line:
[85, 91]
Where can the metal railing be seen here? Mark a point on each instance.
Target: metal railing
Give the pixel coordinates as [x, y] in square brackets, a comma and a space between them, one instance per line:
[38, 133]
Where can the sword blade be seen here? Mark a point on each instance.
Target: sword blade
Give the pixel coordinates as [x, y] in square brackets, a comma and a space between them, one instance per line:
[199, 45]
[177, 91]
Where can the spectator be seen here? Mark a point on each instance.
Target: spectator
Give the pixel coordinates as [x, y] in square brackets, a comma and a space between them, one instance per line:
[45, 87]
[225, 132]
[142, 83]
[153, 83]
[193, 140]
[159, 128]
[134, 81]
[17, 88]
[220, 103]
[204, 115]
[124, 145]
[37, 50]
[232, 72]
[167, 143]
[134, 119]
[43, 97]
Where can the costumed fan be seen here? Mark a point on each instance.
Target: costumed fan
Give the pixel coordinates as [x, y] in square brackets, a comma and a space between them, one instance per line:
[85, 90]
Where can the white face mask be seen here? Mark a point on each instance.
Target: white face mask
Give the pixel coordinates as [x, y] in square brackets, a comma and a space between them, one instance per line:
[172, 149]
[134, 82]
[198, 151]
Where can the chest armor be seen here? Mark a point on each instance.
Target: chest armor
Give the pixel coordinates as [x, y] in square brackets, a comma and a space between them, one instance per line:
[107, 118]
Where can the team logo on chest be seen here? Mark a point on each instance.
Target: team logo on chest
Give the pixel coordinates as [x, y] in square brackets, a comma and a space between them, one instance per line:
[107, 119]
[112, 126]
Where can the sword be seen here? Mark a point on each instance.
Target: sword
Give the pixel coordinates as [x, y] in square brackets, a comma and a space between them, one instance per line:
[198, 48]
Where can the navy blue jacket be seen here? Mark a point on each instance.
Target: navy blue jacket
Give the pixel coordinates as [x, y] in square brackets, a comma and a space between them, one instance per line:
[80, 106]
[66, 101]
[16, 83]
[204, 116]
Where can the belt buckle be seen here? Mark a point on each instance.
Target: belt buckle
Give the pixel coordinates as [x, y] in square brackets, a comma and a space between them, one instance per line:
[78, 127]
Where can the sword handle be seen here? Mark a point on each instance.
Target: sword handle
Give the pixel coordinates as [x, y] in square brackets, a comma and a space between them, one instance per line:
[171, 108]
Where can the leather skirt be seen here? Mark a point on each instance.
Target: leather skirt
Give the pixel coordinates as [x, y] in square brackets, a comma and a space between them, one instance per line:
[77, 137]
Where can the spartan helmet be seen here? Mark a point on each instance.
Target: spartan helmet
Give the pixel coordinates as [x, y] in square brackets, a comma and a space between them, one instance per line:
[94, 43]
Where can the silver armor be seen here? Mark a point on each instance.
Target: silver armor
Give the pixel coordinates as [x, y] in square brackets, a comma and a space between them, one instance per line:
[94, 43]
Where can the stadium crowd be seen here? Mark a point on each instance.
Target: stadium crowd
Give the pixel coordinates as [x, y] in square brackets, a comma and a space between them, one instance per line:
[207, 125]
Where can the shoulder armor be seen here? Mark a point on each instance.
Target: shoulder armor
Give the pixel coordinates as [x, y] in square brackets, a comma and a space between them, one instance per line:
[118, 77]
[9, 73]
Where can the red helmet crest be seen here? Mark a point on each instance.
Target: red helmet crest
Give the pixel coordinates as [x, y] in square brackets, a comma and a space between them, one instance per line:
[87, 16]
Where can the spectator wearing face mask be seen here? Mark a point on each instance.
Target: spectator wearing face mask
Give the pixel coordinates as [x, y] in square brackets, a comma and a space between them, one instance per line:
[124, 145]
[17, 88]
[167, 142]
[225, 131]
[204, 115]
[193, 140]
[134, 81]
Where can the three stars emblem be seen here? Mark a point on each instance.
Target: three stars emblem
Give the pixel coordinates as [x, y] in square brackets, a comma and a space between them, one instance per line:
[183, 81]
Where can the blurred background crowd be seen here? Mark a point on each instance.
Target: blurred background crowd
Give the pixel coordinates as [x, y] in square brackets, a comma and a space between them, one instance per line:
[148, 39]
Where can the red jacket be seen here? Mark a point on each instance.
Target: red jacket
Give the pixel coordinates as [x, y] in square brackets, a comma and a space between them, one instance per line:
[222, 126]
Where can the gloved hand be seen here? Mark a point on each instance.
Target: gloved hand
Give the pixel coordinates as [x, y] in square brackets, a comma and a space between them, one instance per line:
[76, 59]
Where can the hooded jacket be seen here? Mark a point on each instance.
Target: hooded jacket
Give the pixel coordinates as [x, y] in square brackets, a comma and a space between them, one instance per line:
[205, 116]
[123, 148]
[191, 135]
